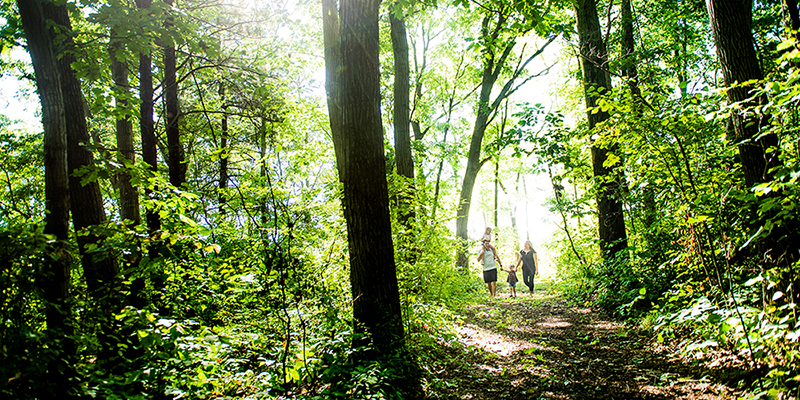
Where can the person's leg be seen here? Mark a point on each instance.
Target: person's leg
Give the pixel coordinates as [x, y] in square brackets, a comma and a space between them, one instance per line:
[527, 278]
[493, 288]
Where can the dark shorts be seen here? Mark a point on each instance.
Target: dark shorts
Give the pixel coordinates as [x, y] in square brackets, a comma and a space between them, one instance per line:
[490, 275]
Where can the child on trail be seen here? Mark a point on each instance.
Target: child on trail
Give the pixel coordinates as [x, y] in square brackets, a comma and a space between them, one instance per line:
[512, 279]
[487, 235]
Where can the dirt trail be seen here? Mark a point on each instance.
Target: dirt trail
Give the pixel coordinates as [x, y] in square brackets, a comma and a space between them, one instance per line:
[540, 347]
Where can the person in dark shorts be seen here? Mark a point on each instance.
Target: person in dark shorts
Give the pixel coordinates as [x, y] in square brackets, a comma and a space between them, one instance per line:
[527, 257]
[487, 258]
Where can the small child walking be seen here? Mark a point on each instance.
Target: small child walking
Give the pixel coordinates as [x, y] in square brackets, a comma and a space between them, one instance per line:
[512, 279]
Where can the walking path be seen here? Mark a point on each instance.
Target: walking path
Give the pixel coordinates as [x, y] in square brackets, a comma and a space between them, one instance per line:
[541, 347]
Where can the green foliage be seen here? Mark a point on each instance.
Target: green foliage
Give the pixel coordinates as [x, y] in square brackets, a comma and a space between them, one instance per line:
[24, 351]
[246, 285]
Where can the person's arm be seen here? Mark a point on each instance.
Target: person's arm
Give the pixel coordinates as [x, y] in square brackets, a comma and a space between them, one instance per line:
[480, 255]
[519, 259]
[535, 264]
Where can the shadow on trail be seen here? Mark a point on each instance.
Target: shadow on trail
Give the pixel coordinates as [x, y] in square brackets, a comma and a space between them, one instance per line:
[540, 347]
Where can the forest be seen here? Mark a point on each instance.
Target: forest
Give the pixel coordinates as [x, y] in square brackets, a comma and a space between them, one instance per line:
[206, 199]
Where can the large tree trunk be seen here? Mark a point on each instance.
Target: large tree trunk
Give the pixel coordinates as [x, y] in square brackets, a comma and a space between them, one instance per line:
[177, 167]
[597, 81]
[358, 144]
[86, 200]
[55, 285]
[731, 24]
[100, 268]
[376, 301]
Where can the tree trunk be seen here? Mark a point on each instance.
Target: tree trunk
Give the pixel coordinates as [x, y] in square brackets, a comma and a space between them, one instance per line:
[150, 157]
[333, 68]
[792, 19]
[731, 24]
[223, 154]
[146, 122]
[629, 59]
[128, 195]
[597, 81]
[495, 56]
[493, 64]
[358, 144]
[263, 209]
[177, 167]
[402, 123]
[86, 201]
[55, 285]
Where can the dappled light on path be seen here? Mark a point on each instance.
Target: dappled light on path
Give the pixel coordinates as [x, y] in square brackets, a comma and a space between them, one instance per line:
[541, 347]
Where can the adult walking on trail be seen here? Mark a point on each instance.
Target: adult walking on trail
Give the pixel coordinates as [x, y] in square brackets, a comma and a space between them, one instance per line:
[527, 257]
[487, 257]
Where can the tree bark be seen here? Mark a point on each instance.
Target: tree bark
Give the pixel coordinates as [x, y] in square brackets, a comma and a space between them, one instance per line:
[629, 59]
[597, 81]
[792, 19]
[402, 72]
[731, 25]
[402, 123]
[177, 167]
[147, 124]
[333, 68]
[223, 154]
[56, 282]
[128, 195]
[150, 157]
[358, 144]
[86, 200]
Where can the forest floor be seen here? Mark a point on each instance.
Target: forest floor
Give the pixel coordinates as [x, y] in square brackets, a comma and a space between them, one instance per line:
[541, 347]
